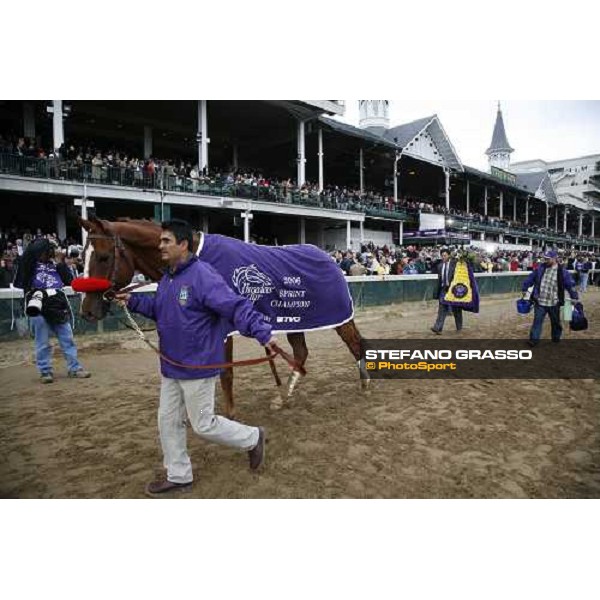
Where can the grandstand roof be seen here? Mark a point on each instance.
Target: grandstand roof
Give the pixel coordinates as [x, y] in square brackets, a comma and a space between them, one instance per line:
[539, 184]
[401, 136]
[347, 129]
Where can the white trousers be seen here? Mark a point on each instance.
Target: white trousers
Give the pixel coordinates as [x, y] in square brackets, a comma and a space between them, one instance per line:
[197, 397]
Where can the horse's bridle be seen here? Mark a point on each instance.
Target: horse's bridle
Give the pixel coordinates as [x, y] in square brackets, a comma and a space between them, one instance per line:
[119, 251]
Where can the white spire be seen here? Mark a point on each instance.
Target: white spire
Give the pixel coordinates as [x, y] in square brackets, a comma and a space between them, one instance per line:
[374, 115]
[499, 151]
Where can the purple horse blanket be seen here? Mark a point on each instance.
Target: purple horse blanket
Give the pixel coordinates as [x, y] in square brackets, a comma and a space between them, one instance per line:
[296, 287]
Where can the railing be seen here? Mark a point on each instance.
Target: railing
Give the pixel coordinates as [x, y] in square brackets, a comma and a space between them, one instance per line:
[62, 170]
[511, 230]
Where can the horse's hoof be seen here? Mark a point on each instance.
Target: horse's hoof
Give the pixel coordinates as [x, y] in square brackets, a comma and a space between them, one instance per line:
[293, 380]
[365, 386]
[277, 403]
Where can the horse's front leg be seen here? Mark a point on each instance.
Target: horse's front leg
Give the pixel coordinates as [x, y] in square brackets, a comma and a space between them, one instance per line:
[227, 380]
[352, 338]
[298, 343]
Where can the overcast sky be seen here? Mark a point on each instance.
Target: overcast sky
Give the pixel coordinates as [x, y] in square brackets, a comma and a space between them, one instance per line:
[548, 129]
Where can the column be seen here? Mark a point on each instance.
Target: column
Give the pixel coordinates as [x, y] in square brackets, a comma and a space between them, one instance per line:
[565, 221]
[247, 218]
[514, 207]
[84, 202]
[447, 174]
[302, 231]
[593, 223]
[527, 211]
[482, 236]
[485, 197]
[147, 141]
[235, 157]
[501, 204]
[321, 236]
[468, 197]
[202, 136]
[205, 224]
[57, 124]
[516, 240]
[547, 215]
[362, 232]
[580, 224]
[396, 159]
[61, 221]
[321, 178]
[301, 155]
[162, 212]
[401, 233]
[361, 170]
[29, 119]
[348, 235]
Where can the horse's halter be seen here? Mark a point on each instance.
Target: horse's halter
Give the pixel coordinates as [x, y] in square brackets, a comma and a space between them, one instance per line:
[119, 251]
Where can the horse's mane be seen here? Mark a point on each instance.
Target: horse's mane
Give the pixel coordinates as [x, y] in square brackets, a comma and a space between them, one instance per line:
[127, 221]
[135, 221]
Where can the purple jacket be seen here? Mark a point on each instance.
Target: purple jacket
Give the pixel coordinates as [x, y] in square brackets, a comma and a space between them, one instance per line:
[193, 309]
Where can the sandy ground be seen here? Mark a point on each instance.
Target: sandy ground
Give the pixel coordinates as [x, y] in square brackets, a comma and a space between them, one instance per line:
[97, 438]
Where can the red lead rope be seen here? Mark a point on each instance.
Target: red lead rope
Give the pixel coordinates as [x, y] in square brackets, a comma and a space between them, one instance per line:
[239, 363]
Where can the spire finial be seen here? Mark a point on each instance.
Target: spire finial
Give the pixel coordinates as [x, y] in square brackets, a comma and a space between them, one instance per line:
[498, 105]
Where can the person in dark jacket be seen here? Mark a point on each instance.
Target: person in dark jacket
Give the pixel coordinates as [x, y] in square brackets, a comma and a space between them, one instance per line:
[585, 266]
[37, 272]
[549, 281]
[63, 269]
[445, 272]
[193, 307]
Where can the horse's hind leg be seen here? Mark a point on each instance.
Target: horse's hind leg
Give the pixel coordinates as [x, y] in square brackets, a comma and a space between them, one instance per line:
[227, 380]
[352, 338]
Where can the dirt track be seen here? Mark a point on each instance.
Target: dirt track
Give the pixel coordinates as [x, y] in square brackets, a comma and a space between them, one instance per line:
[97, 438]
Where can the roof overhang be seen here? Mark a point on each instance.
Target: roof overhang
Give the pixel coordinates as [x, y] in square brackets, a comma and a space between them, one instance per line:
[442, 142]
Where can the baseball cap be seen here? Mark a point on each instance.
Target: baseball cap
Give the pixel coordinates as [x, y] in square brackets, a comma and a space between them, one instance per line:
[550, 254]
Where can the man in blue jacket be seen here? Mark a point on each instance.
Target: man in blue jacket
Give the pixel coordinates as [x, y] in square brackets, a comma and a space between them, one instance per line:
[192, 307]
[549, 282]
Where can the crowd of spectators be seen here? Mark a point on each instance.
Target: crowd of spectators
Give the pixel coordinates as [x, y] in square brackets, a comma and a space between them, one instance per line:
[118, 166]
[410, 260]
[85, 161]
[370, 260]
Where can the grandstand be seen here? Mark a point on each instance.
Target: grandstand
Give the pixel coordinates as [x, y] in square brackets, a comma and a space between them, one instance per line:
[275, 171]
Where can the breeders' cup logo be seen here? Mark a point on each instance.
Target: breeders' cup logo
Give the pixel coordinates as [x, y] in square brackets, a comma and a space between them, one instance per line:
[184, 295]
[460, 290]
[252, 283]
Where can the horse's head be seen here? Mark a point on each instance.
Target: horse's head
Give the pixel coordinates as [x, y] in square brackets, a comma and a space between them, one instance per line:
[105, 256]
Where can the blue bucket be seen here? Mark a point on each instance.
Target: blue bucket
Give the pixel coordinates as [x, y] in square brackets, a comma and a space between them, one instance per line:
[523, 306]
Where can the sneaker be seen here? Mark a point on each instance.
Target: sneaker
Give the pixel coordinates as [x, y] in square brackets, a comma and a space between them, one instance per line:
[80, 374]
[436, 331]
[533, 343]
[164, 486]
[257, 454]
[46, 378]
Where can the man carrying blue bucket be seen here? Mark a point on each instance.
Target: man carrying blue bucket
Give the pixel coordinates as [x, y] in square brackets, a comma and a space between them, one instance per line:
[549, 281]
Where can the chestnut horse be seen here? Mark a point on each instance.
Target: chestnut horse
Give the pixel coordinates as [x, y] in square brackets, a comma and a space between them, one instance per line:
[115, 250]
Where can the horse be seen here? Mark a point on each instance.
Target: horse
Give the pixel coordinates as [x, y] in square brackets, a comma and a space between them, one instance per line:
[115, 250]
